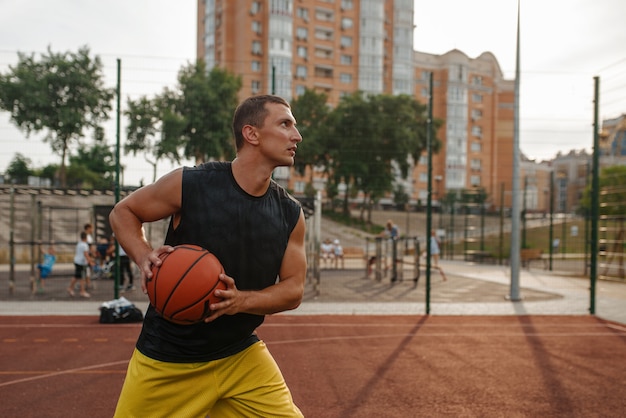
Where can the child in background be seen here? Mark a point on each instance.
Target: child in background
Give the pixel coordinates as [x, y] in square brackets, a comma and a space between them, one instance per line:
[45, 267]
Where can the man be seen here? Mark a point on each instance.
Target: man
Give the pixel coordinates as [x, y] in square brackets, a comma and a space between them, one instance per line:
[236, 211]
[88, 229]
[82, 261]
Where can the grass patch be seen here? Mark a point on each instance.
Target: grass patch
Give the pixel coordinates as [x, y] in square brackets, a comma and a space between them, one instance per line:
[352, 222]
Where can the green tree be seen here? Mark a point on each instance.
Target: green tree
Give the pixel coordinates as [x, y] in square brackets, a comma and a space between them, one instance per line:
[19, 169]
[205, 104]
[145, 134]
[371, 139]
[311, 112]
[92, 167]
[48, 172]
[612, 194]
[62, 94]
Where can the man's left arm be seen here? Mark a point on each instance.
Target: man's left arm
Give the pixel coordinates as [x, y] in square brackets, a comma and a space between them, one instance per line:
[283, 296]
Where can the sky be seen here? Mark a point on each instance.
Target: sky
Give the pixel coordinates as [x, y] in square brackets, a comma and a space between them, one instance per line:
[563, 45]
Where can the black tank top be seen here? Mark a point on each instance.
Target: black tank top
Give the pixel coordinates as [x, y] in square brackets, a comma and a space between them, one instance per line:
[248, 235]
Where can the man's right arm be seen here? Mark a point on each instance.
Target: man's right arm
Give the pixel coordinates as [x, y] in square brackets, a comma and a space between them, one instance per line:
[147, 204]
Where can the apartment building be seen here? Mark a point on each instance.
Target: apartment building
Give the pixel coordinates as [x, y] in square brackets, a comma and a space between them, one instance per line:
[571, 177]
[341, 46]
[477, 105]
[334, 46]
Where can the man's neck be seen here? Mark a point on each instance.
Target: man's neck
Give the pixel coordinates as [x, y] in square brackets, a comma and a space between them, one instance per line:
[252, 178]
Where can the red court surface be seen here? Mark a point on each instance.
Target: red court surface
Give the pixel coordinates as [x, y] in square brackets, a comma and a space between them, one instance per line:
[349, 366]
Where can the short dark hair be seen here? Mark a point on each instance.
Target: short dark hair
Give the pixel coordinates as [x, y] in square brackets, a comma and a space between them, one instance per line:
[252, 111]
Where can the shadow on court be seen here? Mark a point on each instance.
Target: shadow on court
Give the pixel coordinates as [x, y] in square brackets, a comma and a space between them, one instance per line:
[349, 366]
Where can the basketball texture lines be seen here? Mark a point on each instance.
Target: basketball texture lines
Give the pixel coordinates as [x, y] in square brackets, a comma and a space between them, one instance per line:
[182, 287]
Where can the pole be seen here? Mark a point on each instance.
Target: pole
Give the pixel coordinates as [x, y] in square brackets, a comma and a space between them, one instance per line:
[551, 217]
[429, 134]
[501, 239]
[116, 281]
[524, 245]
[587, 212]
[595, 201]
[515, 212]
[12, 240]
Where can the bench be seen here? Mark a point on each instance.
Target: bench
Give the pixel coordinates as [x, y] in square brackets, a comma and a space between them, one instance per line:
[353, 252]
[527, 255]
[477, 256]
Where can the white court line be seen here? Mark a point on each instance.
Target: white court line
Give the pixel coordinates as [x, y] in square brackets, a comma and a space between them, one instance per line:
[110, 326]
[426, 335]
[430, 325]
[617, 327]
[62, 372]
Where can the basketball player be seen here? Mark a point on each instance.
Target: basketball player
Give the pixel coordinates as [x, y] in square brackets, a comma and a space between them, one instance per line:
[256, 229]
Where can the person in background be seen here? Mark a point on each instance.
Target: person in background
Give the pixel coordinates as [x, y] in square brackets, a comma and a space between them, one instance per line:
[125, 270]
[435, 251]
[391, 230]
[45, 268]
[338, 253]
[88, 229]
[327, 253]
[82, 262]
[391, 233]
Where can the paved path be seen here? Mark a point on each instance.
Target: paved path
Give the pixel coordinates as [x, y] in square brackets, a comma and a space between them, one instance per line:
[471, 289]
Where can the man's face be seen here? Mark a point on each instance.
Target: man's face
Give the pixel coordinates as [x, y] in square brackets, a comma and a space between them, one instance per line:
[279, 137]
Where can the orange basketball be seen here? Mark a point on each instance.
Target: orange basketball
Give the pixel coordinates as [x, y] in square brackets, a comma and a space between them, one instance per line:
[182, 287]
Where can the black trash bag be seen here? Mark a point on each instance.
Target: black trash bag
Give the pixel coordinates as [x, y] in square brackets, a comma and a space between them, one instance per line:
[120, 311]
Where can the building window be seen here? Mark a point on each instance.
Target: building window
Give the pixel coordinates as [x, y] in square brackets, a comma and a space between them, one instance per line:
[256, 66]
[458, 73]
[302, 52]
[256, 48]
[281, 7]
[475, 164]
[346, 59]
[324, 15]
[346, 5]
[425, 92]
[477, 98]
[475, 180]
[300, 90]
[476, 147]
[346, 23]
[477, 114]
[302, 34]
[256, 86]
[346, 41]
[324, 34]
[477, 80]
[323, 72]
[303, 13]
[301, 71]
[255, 8]
[345, 78]
[325, 53]
[256, 27]
[477, 131]
[299, 186]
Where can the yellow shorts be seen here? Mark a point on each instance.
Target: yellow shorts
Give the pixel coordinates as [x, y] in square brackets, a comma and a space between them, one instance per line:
[247, 384]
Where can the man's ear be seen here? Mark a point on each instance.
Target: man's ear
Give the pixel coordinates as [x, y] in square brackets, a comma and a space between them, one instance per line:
[250, 134]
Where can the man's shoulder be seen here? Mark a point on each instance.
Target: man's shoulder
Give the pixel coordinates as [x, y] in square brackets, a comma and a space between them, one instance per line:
[284, 194]
[210, 166]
